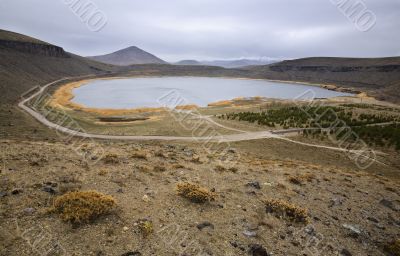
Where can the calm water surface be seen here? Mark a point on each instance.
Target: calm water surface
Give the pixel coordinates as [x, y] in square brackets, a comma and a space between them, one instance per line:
[145, 92]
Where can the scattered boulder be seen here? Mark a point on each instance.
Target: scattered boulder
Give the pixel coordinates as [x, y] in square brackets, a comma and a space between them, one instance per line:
[16, 191]
[135, 253]
[254, 184]
[345, 252]
[335, 202]
[258, 250]
[390, 204]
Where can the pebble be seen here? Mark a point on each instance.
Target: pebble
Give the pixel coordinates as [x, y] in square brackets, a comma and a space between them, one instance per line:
[16, 191]
[29, 210]
[310, 230]
[373, 219]
[335, 202]
[51, 184]
[231, 150]
[380, 226]
[204, 225]
[249, 233]
[254, 184]
[146, 198]
[354, 231]
[125, 228]
[49, 190]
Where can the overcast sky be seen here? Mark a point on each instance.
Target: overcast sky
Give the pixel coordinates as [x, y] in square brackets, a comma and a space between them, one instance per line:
[211, 29]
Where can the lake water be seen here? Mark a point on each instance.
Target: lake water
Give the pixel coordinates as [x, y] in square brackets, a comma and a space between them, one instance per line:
[146, 92]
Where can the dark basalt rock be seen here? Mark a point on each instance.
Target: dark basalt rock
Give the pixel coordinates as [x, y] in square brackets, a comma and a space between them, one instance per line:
[258, 250]
[35, 48]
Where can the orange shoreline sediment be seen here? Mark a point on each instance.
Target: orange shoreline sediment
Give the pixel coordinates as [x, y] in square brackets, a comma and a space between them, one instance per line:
[62, 98]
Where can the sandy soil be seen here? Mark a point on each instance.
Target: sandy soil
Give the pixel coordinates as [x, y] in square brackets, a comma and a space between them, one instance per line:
[350, 211]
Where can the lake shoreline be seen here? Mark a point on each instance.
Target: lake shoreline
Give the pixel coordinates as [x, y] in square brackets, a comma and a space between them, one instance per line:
[63, 96]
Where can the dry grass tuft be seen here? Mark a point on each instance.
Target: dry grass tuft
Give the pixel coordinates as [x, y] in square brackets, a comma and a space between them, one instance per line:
[284, 210]
[391, 189]
[82, 206]
[281, 186]
[140, 155]
[196, 160]
[103, 172]
[145, 227]
[393, 248]
[220, 168]
[179, 166]
[233, 169]
[111, 159]
[194, 192]
[144, 168]
[159, 168]
[309, 177]
[295, 180]
[161, 154]
[300, 179]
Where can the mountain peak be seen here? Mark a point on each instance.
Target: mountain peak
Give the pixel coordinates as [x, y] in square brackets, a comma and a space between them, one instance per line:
[129, 56]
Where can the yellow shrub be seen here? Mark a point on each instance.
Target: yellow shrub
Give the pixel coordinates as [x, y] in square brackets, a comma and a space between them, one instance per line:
[82, 206]
[194, 192]
[285, 210]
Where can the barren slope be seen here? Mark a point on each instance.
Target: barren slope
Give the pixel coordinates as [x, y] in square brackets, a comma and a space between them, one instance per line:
[380, 77]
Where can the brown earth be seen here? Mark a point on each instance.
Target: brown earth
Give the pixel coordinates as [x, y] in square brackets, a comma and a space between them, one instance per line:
[348, 210]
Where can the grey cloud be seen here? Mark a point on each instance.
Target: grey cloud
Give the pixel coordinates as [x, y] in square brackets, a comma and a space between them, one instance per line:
[209, 29]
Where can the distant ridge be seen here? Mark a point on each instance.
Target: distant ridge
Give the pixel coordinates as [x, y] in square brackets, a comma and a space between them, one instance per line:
[380, 77]
[188, 62]
[128, 56]
[228, 63]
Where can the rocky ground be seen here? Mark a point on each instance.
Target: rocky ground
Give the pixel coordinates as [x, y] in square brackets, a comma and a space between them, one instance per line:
[350, 212]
